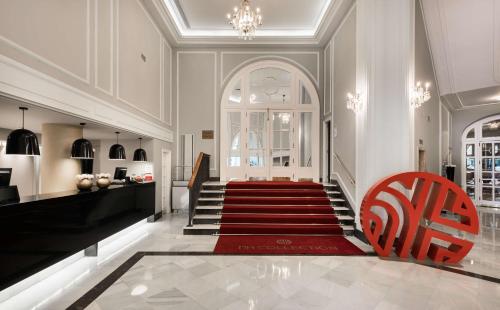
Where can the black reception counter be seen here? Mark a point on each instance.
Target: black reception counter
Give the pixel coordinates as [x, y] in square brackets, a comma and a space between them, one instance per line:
[39, 231]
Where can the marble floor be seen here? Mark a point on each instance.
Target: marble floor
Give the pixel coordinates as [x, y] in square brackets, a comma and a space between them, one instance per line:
[183, 280]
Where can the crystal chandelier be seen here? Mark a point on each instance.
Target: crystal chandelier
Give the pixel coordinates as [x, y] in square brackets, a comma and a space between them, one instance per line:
[420, 95]
[245, 20]
[354, 102]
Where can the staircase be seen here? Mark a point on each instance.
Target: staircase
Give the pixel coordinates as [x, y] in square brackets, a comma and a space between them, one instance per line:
[207, 217]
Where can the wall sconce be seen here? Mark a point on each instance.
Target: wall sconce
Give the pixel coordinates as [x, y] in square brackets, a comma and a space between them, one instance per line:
[420, 95]
[354, 102]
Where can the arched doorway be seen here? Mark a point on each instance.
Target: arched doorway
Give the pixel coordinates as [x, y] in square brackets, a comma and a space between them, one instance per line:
[481, 161]
[269, 124]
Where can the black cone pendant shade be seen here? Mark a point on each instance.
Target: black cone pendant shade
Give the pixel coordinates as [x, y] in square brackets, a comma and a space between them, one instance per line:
[140, 153]
[82, 148]
[117, 151]
[22, 141]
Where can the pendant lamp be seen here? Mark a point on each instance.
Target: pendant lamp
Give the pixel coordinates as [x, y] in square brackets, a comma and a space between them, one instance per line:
[140, 153]
[22, 141]
[117, 151]
[82, 148]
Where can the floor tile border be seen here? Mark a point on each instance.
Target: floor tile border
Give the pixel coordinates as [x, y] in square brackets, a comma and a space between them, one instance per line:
[109, 280]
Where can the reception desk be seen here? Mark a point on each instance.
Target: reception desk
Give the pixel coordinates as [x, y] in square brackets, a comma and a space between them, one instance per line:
[41, 230]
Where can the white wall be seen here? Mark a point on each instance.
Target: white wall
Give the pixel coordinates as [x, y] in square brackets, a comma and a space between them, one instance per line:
[201, 76]
[343, 72]
[427, 130]
[103, 60]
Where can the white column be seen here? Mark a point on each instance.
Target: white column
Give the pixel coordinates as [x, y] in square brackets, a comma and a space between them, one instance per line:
[385, 73]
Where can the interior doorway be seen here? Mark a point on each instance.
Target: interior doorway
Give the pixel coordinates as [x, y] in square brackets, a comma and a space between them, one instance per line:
[481, 161]
[166, 180]
[270, 124]
[422, 164]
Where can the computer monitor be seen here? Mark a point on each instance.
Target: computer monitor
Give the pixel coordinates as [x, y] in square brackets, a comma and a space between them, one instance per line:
[120, 173]
[5, 174]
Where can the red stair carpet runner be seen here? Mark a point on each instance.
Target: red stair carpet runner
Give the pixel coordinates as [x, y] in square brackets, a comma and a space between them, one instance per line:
[280, 218]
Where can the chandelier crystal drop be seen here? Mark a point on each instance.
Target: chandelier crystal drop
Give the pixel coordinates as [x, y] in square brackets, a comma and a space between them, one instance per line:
[245, 20]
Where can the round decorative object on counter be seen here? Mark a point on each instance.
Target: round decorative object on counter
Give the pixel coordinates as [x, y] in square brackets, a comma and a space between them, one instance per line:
[103, 180]
[84, 184]
[84, 181]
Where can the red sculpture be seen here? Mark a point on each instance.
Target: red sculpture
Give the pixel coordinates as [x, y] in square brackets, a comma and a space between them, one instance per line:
[431, 195]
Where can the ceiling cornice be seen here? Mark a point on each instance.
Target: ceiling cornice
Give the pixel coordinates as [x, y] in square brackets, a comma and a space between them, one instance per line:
[332, 17]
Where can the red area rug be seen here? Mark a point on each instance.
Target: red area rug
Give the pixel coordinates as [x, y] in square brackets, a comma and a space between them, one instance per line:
[287, 245]
[280, 218]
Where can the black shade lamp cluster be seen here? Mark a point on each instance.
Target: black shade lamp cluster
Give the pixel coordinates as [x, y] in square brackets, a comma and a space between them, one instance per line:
[82, 148]
[22, 141]
[140, 153]
[117, 151]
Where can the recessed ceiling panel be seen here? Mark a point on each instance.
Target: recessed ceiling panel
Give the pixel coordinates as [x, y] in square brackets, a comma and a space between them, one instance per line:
[278, 14]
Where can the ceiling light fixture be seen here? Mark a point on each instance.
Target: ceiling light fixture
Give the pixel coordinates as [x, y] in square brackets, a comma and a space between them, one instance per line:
[353, 102]
[245, 20]
[22, 141]
[117, 151]
[140, 153]
[420, 95]
[82, 148]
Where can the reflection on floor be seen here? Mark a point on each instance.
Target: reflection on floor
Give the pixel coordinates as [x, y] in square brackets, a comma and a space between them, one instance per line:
[299, 282]
[281, 282]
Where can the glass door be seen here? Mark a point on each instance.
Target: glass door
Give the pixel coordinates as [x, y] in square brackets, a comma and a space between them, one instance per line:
[257, 145]
[282, 144]
[470, 170]
[490, 172]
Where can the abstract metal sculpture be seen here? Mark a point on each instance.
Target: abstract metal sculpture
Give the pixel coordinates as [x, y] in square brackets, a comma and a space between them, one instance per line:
[431, 195]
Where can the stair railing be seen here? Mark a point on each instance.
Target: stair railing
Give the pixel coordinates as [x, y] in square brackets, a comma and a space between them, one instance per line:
[344, 167]
[201, 174]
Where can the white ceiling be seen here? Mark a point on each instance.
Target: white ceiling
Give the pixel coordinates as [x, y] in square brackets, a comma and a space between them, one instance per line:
[464, 37]
[284, 21]
[11, 118]
[278, 14]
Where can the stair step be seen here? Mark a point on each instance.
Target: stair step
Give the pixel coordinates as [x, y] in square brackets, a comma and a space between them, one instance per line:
[212, 191]
[210, 199]
[333, 193]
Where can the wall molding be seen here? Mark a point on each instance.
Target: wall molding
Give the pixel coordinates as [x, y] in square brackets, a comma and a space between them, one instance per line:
[214, 53]
[329, 87]
[168, 120]
[496, 39]
[96, 48]
[160, 38]
[44, 60]
[270, 54]
[22, 82]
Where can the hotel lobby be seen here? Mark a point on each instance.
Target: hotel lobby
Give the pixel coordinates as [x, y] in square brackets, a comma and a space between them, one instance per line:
[249, 154]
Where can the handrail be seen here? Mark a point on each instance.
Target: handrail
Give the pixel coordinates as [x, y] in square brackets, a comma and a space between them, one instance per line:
[201, 174]
[351, 178]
